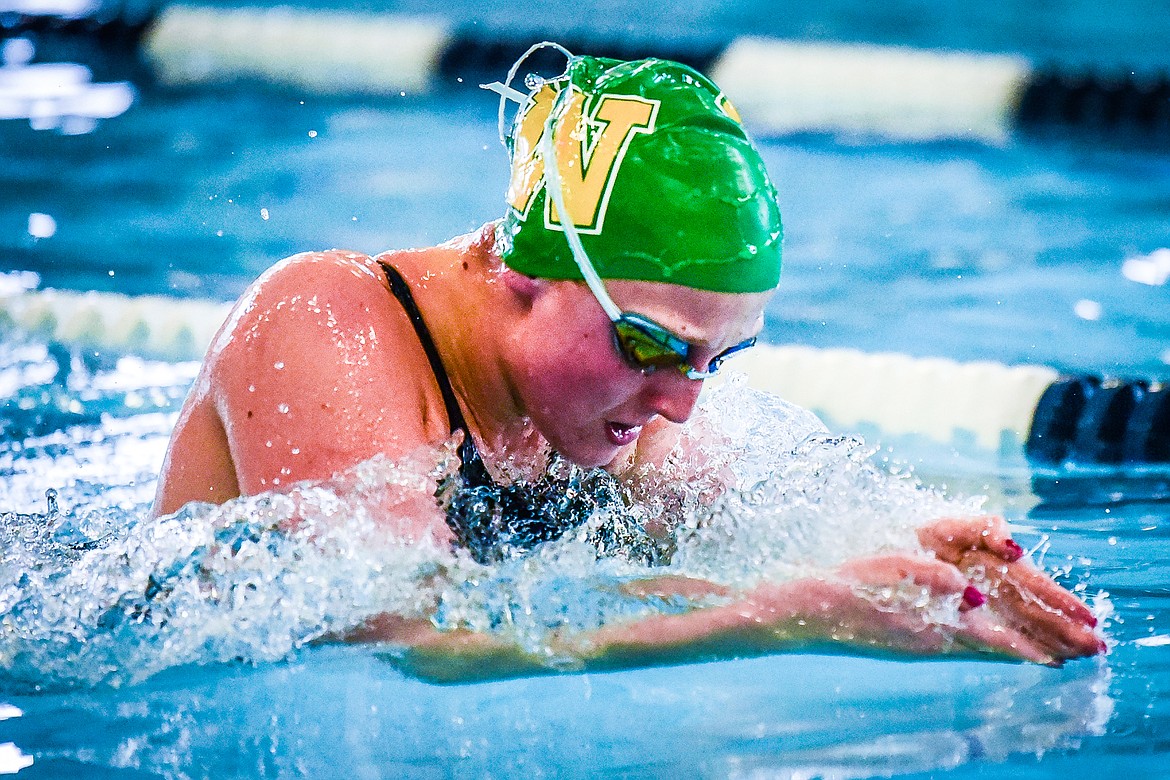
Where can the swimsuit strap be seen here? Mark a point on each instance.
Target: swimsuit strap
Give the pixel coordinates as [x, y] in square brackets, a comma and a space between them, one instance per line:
[473, 469]
[401, 291]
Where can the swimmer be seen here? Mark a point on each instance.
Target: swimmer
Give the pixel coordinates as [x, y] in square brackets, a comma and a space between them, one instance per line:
[640, 245]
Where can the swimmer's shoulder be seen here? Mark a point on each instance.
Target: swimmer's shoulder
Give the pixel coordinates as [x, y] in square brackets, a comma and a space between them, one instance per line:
[301, 286]
[318, 367]
[325, 324]
[332, 275]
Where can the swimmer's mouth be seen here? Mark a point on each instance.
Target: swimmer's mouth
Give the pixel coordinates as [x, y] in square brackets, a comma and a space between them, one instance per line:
[622, 435]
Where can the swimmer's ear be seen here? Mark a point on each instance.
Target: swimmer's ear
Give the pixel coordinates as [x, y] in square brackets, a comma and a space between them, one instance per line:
[527, 288]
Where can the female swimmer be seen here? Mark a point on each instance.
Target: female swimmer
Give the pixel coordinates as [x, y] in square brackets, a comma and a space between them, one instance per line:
[641, 243]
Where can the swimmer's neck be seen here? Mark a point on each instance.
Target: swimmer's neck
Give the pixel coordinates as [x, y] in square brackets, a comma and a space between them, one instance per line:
[459, 276]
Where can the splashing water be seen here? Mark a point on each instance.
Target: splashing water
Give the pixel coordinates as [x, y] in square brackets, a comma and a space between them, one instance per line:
[804, 500]
[106, 594]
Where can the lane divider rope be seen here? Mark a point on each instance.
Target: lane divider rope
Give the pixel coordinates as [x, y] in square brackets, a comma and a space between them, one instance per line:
[152, 326]
[780, 87]
[1009, 411]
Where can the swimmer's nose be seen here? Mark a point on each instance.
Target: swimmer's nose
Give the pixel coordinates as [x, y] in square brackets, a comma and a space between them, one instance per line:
[672, 396]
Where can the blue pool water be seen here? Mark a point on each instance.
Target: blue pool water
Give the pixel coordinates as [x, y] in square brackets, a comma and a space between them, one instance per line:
[1014, 253]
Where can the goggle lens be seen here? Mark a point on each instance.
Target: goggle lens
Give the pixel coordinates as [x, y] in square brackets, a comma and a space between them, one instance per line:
[644, 348]
[648, 346]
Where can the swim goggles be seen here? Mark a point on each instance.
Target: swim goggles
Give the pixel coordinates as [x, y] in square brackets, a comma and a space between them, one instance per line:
[643, 343]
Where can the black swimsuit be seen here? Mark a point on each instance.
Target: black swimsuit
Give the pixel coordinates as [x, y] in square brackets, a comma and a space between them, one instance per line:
[496, 521]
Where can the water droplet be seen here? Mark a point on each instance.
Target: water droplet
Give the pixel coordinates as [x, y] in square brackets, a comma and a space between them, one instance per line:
[278, 365]
[282, 408]
[41, 225]
[1088, 310]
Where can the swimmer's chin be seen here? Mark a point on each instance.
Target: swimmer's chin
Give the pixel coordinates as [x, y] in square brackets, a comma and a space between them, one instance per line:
[604, 443]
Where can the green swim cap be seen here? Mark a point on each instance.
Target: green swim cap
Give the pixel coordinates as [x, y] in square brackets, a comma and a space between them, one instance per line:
[662, 182]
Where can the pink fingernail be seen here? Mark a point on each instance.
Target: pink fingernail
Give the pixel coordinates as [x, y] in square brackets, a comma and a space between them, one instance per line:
[1092, 621]
[1014, 551]
[973, 597]
[1101, 646]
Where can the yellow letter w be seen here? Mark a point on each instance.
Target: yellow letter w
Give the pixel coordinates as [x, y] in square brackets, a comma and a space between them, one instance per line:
[589, 154]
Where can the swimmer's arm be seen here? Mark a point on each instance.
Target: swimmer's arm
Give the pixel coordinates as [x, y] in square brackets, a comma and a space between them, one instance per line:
[198, 464]
[302, 379]
[1026, 616]
[849, 611]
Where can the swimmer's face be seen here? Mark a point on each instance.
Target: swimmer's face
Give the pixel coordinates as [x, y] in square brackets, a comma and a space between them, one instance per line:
[579, 391]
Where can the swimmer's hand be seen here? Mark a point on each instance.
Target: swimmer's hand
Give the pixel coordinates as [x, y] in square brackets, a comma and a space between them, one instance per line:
[1023, 600]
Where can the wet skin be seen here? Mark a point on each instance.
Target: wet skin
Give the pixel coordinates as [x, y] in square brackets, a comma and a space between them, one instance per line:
[318, 369]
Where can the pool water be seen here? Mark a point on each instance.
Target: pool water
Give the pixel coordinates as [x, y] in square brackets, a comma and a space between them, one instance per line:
[102, 692]
[1016, 253]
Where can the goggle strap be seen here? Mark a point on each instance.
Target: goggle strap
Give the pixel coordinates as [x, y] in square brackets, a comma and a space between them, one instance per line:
[505, 90]
[552, 177]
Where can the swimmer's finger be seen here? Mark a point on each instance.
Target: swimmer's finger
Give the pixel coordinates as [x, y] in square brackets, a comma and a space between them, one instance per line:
[1052, 615]
[1035, 605]
[940, 578]
[951, 538]
[1028, 579]
[983, 633]
[1031, 586]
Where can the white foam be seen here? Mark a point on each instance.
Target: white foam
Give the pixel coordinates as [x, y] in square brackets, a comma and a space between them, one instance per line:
[13, 759]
